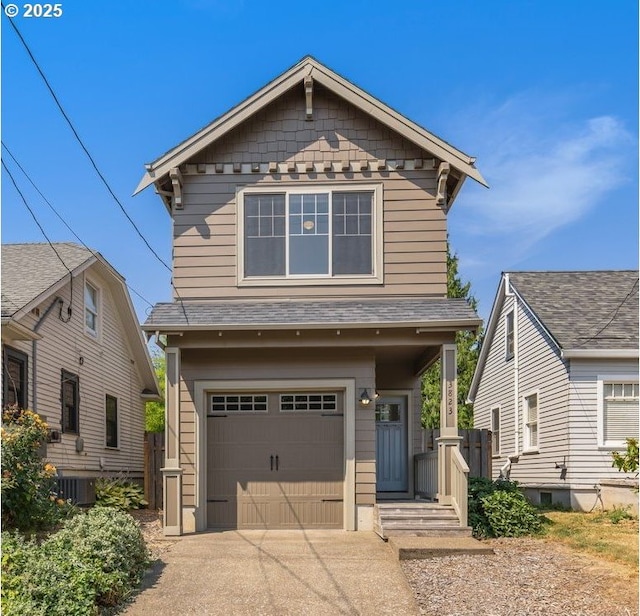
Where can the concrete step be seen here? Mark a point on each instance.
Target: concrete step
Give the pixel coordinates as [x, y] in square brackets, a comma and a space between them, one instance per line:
[439, 531]
[419, 524]
[406, 547]
[411, 505]
[417, 515]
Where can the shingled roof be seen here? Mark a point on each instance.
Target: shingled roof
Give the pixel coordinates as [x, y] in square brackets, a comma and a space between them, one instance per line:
[316, 314]
[29, 270]
[584, 310]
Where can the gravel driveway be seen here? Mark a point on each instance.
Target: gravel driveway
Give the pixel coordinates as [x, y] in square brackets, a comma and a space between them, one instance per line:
[525, 577]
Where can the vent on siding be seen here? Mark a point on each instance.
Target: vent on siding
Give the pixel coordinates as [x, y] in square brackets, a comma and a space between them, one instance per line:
[80, 490]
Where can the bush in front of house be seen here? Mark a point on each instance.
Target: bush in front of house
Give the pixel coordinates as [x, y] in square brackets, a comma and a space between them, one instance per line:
[499, 509]
[28, 482]
[119, 493]
[95, 561]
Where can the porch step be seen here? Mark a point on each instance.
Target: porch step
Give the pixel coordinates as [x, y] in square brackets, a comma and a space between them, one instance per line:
[433, 547]
[418, 519]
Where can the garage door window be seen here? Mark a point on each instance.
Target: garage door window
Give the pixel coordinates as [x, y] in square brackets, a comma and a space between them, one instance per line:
[308, 402]
[232, 403]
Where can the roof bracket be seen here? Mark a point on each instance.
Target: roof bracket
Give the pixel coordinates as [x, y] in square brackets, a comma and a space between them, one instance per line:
[443, 174]
[308, 92]
[176, 182]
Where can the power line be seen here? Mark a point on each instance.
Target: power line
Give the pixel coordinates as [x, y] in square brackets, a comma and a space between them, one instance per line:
[64, 222]
[93, 162]
[46, 237]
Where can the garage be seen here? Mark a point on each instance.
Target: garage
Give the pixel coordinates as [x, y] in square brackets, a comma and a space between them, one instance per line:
[275, 460]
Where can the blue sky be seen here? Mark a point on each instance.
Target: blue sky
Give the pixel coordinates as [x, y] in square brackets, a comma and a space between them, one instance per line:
[543, 93]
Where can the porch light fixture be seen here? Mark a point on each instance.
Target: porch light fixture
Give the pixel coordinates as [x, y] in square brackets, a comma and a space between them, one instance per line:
[364, 398]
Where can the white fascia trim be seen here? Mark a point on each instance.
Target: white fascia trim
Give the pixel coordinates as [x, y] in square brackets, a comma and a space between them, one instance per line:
[601, 353]
[202, 388]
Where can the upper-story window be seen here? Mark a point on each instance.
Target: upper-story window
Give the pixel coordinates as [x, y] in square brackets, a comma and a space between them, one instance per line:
[508, 335]
[317, 235]
[91, 309]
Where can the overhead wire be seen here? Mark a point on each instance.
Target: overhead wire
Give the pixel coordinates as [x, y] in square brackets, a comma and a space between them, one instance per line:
[92, 160]
[64, 222]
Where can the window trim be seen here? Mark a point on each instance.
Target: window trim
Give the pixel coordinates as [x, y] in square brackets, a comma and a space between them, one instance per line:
[526, 444]
[313, 280]
[601, 380]
[70, 376]
[496, 452]
[95, 334]
[509, 335]
[7, 353]
[108, 397]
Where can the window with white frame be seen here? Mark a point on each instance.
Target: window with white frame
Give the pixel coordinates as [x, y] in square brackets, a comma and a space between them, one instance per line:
[508, 335]
[531, 421]
[320, 233]
[495, 430]
[619, 408]
[91, 309]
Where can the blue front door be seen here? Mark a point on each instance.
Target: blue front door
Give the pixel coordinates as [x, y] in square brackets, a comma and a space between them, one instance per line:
[391, 444]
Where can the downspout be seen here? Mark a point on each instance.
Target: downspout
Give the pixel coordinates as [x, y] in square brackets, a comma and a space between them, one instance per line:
[516, 380]
[34, 348]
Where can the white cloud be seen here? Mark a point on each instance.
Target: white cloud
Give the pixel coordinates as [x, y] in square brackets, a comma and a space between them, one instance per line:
[544, 173]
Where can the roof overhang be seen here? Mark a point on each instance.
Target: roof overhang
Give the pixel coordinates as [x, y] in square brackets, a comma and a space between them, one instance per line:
[12, 330]
[158, 170]
[601, 353]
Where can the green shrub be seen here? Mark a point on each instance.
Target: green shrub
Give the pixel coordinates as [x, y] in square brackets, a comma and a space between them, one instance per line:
[510, 514]
[628, 461]
[119, 493]
[479, 488]
[617, 515]
[94, 561]
[28, 482]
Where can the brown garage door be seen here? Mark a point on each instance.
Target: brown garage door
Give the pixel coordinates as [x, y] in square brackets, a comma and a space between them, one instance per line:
[275, 460]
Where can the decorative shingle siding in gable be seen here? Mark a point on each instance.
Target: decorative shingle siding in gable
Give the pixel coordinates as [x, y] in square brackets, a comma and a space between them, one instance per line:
[280, 133]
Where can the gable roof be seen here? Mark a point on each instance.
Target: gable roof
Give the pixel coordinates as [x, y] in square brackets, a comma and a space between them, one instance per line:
[31, 273]
[294, 76]
[585, 313]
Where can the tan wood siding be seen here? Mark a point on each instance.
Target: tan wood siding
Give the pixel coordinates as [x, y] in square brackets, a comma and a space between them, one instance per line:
[104, 366]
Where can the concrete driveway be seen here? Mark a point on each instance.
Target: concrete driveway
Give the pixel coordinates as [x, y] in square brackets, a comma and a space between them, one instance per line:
[276, 572]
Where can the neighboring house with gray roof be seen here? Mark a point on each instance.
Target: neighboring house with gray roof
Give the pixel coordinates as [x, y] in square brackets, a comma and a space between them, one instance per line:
[310, 274]
[74, 353]
[557, 380]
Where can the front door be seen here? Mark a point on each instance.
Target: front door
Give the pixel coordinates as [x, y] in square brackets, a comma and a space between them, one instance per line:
[391, 444]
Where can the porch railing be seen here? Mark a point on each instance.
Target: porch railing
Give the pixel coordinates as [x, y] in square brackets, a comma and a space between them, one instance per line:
[426, 474]
[459, 474]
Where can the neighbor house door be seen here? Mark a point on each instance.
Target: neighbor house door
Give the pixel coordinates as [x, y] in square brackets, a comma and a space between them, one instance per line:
[391, 444]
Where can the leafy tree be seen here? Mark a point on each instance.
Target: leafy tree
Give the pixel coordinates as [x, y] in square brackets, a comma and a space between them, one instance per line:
[628, 461]
[468, 344]
[154, 411]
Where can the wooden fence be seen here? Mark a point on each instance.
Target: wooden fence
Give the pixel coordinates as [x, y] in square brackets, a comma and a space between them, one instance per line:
[475, 448]
[153, 461]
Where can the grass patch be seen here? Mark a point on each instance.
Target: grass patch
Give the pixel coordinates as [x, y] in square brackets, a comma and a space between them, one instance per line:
[611, 535]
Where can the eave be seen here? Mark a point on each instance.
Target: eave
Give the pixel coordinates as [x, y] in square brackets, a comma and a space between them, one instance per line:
[159, 170]
[600, 353]
[12, 330]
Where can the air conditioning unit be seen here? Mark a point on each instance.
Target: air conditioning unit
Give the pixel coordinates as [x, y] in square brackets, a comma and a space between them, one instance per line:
[54, 436]
[79, 490]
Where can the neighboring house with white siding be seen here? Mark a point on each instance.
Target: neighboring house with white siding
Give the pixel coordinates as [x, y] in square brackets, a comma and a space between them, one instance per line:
[557, 380]
[310, 273]
[73, 351]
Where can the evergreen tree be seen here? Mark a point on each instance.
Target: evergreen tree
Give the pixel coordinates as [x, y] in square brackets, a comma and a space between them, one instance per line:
[468, 344]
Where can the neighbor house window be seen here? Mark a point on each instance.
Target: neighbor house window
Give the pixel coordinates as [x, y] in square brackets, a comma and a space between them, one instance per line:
[495, 430]
[508, 335]
[91, 309]
[618, 412]
[14, 378]
[531, 421]
[111, 419]
[70, 396]
[322, 233]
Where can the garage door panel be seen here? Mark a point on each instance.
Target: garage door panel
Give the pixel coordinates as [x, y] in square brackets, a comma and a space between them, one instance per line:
[305, 487]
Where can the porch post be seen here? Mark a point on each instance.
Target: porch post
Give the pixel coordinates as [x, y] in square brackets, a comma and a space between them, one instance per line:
[448, 420]
[172, 472]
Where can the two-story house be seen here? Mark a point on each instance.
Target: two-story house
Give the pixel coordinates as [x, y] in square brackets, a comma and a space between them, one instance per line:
[73, 352]
[310, 294]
